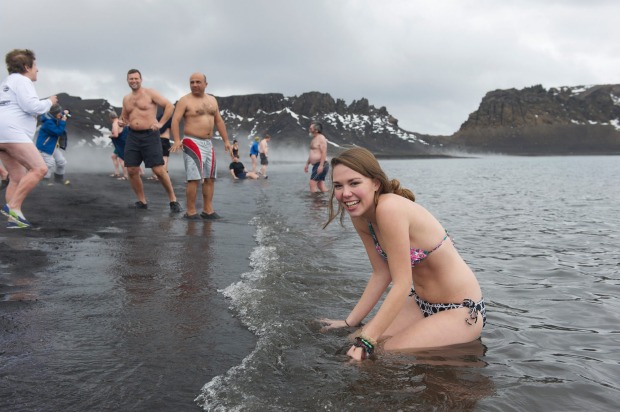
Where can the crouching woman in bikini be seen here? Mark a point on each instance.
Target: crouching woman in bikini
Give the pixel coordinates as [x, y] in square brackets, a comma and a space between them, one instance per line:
[405, 245]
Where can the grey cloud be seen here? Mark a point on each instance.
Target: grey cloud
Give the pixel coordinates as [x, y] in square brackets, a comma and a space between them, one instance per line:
[429, 63]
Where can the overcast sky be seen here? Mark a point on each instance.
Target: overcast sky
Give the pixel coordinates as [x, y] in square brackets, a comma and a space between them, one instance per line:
[428, 62]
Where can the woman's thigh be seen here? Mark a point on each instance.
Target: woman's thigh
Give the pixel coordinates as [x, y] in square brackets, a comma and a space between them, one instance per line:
[448, 327]
[409, 314]
[15, 169]
[26, 154]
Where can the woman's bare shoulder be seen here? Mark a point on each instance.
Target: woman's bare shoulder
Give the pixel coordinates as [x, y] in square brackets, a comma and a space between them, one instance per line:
[390, 203]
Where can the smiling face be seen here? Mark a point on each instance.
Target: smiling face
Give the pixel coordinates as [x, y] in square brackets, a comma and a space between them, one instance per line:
[354, 191]
[134, 80]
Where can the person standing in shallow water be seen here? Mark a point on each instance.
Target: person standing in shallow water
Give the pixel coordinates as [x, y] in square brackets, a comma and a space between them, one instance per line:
[143, 140]
[317, 158]
[234, 149]
[164, 134]
[254, 153]
[263, 151]
[405, 244]
[119, 137]
[201, 114]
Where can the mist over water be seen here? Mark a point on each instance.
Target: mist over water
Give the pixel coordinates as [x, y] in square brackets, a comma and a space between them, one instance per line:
[90, 158]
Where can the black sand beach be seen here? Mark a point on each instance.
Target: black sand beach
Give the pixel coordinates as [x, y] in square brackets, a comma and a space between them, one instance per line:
[107, 308]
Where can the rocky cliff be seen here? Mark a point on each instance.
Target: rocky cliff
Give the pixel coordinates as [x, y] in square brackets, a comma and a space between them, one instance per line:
[89, 123]
[568, 120]
[286, 119]
[531, 121]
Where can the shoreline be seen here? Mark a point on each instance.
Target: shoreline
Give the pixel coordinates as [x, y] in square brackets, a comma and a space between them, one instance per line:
[105, 305]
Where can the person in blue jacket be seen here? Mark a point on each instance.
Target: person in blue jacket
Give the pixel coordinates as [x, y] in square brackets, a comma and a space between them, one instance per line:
[51, 141]
[254, 153]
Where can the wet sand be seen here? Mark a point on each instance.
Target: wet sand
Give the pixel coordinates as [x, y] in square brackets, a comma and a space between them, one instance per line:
[107, 308]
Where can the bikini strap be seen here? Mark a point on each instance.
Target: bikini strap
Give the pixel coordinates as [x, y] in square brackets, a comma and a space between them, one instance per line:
[440, 243]
[374, 238]
[372, 232]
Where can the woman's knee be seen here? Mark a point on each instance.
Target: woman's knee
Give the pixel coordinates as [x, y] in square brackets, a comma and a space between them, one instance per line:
[39, 171]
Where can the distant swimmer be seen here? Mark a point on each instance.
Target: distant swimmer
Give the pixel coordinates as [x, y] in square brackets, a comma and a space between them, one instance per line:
[263, 152]
[317, 158]
[234, 149]
[254, 153]
[238, 172]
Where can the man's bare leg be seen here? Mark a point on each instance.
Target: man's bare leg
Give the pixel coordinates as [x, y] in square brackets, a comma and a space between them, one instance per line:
[136, 182]
[190, 193]
[207, 195]
[313, 186]
[164, 178]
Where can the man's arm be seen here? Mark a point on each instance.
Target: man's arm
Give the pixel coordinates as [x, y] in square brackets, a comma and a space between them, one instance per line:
[232, 173]
[163, 102]
[308, 160]
[123, 119]
[221, 128]
[175, 127]
[323, 149]
[116, 129]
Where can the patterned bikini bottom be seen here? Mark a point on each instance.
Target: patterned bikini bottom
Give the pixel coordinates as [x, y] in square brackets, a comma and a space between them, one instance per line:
[475, 308]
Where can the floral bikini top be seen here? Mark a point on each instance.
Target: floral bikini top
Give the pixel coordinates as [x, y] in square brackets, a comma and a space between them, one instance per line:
[417, 255]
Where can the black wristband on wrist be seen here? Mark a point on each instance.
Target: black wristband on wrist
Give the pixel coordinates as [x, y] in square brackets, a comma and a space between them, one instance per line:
[366, 345]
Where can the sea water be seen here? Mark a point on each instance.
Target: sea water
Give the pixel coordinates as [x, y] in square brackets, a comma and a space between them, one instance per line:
[115, 309]
[541, 234]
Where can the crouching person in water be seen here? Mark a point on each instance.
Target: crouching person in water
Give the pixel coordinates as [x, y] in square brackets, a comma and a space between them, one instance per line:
[405, 245]
[51, 142]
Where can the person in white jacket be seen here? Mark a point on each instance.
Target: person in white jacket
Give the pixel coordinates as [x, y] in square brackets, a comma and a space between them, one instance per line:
[19, 107]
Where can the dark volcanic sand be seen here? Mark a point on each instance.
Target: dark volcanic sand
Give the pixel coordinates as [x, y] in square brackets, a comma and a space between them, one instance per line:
[107, 308]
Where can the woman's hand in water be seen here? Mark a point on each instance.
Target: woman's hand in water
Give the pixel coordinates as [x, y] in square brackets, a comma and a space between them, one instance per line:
[332, 324]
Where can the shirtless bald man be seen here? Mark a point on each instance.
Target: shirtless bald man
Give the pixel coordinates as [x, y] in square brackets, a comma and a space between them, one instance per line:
[143, 141]
[201, 114]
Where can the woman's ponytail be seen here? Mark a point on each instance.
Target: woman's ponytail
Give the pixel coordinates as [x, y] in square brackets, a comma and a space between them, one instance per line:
[401, 191]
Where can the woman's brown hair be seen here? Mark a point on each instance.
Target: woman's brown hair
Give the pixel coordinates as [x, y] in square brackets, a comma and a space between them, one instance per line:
[19, 60]
[362, 161]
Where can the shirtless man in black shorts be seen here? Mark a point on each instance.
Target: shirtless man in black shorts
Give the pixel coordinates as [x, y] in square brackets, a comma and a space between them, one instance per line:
[143, 142]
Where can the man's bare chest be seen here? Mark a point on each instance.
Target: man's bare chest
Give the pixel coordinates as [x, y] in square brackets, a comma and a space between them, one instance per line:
[204, 108]
[141, 102]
